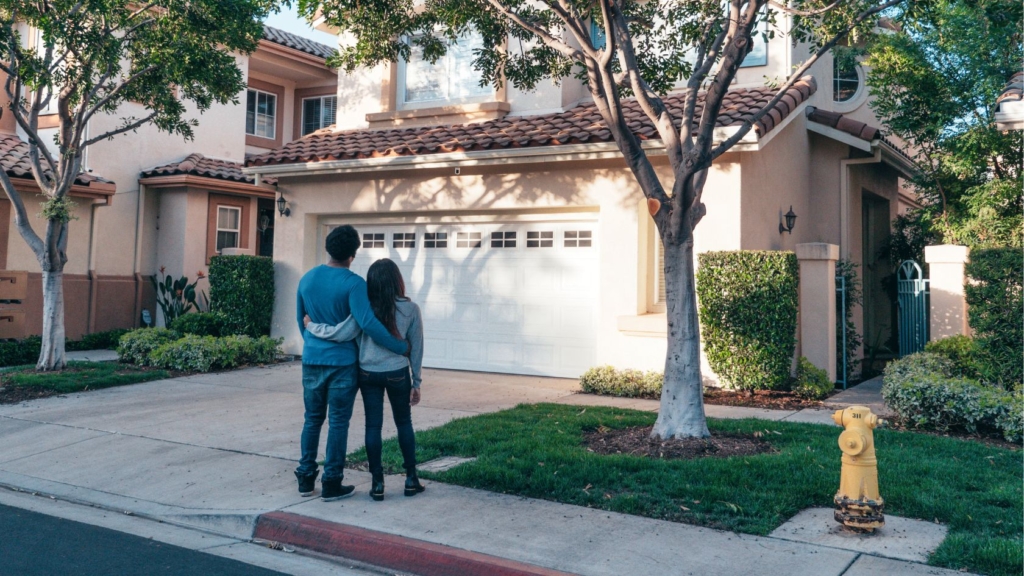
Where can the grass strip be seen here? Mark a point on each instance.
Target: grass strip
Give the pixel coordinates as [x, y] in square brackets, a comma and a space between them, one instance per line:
[79, 376]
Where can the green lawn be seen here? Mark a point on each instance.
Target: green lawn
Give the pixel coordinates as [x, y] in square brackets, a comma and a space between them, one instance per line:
[80, 376]
[537, 451]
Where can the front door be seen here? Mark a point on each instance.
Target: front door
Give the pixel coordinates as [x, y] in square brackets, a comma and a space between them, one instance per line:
[880, 338]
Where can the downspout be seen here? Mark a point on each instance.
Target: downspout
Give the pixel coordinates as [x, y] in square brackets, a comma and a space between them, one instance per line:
[844, 198]
[93, 279]
[137, 259]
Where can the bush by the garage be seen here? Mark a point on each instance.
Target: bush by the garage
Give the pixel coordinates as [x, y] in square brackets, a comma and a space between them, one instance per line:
[628, 383]
[135, 346]
[193, 353]
[242, 290]
[811, 382]
[925, 392]
[200, 324]
[995, 311]
[748, 310]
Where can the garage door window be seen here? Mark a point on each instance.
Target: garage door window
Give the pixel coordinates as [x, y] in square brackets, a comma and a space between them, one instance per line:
[468, 239]
[503, 239]
[373, 240]
[540, 239]
[578, 238]
[405, 240]
[435, 240]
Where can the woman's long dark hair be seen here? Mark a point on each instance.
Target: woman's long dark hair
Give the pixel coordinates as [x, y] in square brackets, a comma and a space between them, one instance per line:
[385, 287]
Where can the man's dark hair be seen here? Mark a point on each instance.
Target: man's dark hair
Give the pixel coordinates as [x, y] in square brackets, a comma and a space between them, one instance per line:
[343, 242]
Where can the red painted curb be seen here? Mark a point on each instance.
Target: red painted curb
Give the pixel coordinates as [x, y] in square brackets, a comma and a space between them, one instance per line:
[387, 550]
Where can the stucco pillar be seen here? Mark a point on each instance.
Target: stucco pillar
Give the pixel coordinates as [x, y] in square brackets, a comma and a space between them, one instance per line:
[948, 304]
[818, 304]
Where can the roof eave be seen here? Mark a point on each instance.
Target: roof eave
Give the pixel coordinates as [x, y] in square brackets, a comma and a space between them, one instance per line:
[212, 184]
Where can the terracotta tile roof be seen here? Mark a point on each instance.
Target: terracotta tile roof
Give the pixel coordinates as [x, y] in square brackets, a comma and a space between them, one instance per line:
[1014, 89]
[578, 125]
[196, 164]
[839, 122]
[278, 36]
[14, 158]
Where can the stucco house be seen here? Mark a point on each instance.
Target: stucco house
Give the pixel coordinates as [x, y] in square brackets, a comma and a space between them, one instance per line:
[523, 236]
[148, 201]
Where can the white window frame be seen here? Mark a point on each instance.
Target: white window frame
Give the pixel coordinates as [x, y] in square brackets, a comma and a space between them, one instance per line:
[51, 107]
[437, 240]
[403, 240]
[858, 97]
[540, 239]
[469, 239]
[236, 231]
[582, 238]
[302, 126]
[256, 114]
[373, 240]
[486, 93]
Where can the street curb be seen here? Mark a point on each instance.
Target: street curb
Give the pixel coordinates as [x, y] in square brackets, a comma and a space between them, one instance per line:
[387, 550]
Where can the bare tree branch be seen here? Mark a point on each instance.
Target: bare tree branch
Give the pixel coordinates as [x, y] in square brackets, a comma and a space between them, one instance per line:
[126, 128]
[549, 40]
[21, 220]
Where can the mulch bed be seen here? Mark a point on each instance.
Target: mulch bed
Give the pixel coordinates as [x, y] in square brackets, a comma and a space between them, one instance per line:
[638, 442]
[770, 399]
[15, 394]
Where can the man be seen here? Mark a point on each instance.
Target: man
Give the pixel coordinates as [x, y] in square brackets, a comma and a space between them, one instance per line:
[329, 294]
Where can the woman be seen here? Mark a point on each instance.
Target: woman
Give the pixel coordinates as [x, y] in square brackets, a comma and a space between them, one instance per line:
[381, 370]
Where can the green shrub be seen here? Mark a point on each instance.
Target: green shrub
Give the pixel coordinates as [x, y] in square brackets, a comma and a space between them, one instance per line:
[811, 382]
[242, 289]
[200, 324]
[962, 351]
[925, 393]
[748, 307]
[136, 346]
[20, 352]
[995, 311]
[611, 381]
[98, 341]
[193, 353]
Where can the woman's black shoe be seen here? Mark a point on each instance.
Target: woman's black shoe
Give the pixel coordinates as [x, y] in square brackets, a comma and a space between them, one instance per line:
[377, 488]
[412, 485]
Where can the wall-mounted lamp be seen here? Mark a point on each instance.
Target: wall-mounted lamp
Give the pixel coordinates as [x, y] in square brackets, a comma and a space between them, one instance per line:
[787, 227]
[282, 206]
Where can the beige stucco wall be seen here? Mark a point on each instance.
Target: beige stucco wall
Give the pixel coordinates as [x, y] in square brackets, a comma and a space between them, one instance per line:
[20, 256]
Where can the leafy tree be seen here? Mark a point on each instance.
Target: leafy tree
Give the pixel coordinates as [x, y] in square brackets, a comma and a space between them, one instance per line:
[935, 81]
[94, 57]
[642, 49]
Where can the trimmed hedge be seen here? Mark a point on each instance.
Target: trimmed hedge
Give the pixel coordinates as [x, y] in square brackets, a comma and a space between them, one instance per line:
[193, 353]
[200, 324]
[811, 382]
[98, 341]
[963, 351]
[26, 351]
[242, 290]
[135, 346]
[748, 307]
[628, 383]
[926, 392]
[995, 304]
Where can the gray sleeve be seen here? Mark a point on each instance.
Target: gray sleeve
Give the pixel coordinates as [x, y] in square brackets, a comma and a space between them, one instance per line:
[415, 338]
[347, 330]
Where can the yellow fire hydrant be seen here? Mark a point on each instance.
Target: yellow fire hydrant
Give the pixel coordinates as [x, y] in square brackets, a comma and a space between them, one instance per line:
[858, 503]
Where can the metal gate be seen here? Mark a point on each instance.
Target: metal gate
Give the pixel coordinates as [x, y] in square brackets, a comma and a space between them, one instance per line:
[913, 307]
[841, 320]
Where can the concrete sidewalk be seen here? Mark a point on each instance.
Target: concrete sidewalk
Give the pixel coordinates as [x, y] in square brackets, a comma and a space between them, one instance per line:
[217, 451]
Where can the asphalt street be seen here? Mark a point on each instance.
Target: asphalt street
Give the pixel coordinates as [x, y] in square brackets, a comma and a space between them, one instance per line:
[33, 544]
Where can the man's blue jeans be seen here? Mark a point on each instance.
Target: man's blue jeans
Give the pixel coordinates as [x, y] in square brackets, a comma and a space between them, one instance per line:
[327, 392]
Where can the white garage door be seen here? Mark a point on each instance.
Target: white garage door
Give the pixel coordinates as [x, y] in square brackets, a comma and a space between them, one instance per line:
[514, 297]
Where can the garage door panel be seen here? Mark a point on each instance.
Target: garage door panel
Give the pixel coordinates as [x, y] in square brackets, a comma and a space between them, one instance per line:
[509, 305]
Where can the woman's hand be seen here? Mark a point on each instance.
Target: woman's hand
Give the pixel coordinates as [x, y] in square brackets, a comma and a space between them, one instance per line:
[414, 397]
[305, 321]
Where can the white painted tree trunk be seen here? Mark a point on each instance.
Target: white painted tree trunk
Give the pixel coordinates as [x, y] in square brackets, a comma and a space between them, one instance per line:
[682, 396]
[52, 355]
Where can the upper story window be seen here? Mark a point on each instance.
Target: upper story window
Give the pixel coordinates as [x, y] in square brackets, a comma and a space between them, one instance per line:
[318, 112]
[451, 78]
[40, 46]
[261, 114]
[229, 227]
[845, 79]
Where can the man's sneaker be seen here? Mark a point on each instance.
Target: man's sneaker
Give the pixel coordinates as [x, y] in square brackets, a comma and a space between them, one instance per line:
[377, 488]
[412, 485]
[331, 490]
[307, 483]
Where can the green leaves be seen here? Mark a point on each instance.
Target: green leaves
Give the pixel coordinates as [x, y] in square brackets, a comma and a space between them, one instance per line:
[995, 311]
[748, 308]
[242, 291]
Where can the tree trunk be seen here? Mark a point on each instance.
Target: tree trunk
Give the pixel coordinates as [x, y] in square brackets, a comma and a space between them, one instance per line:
[52, 355]
[682, 395]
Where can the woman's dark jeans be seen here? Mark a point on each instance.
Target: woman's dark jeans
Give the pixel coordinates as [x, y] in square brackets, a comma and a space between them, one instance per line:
[398, 385]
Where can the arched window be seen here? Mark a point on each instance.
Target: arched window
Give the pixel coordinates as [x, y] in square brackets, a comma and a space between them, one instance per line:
[845, 79]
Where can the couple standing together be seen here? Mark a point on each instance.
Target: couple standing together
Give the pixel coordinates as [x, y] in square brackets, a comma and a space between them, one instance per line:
[358, 335]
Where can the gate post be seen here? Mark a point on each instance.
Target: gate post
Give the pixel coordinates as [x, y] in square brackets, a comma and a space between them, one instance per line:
[948, 303]
[818, 304]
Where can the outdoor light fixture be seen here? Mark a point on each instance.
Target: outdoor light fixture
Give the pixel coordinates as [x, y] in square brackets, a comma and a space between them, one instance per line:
[787, 227]
[282, 206]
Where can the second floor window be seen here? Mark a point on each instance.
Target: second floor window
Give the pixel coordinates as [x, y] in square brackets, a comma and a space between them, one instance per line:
[261, 114]
[318, 112]
[451, 78]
